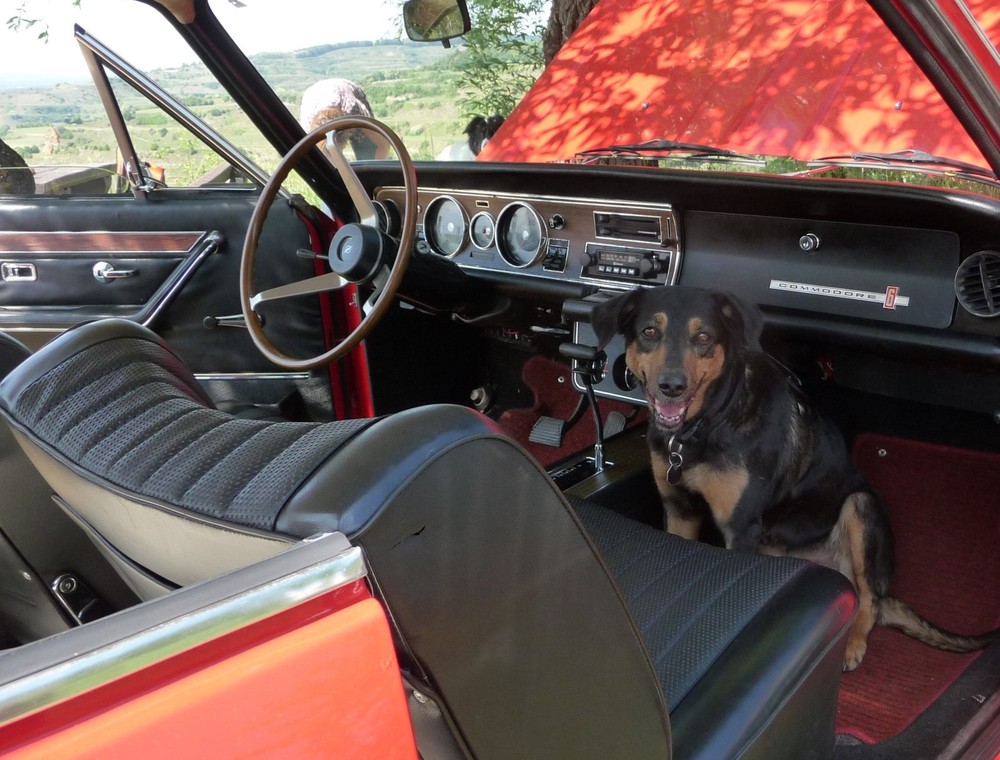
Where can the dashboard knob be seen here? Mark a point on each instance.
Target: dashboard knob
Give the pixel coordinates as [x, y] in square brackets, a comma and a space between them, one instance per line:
[557, 222]
[809, 242]
[650, 267]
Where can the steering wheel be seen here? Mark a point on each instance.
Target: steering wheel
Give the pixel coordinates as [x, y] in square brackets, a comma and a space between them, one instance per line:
[357, 254]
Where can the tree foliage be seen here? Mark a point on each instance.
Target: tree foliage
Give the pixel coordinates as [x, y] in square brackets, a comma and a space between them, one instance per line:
[502, 55]
[22, 21]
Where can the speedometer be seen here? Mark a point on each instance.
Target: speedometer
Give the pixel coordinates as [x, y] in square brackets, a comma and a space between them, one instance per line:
[520, 235]
[445, 225]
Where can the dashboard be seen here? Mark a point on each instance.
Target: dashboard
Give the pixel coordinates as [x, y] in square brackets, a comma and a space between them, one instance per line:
[903, 279]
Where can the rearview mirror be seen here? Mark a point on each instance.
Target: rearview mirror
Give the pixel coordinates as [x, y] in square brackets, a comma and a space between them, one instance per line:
[433, 20]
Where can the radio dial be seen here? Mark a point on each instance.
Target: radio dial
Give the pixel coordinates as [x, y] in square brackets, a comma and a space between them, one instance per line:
[650, 267]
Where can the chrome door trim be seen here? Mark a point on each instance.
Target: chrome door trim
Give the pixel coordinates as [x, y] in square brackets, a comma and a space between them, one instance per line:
[167, 635]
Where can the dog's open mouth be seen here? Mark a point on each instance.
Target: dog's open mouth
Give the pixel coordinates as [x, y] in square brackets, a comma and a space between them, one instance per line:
[670, 414]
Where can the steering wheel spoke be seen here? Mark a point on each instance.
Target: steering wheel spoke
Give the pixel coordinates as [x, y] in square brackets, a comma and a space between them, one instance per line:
[379, 282]
[323, 283]
[358, 253]
[359, 197]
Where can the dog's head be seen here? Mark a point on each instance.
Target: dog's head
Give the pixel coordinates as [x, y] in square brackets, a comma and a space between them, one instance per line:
[679, 342]
[481, 129]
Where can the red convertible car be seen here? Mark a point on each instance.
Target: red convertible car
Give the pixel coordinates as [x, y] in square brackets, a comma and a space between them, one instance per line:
[309, 454]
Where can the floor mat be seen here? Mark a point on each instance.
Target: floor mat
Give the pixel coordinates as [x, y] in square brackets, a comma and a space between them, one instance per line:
[945, 509]
[555, 396]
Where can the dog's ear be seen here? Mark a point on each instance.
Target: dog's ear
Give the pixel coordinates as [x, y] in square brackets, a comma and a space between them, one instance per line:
[743, 319]
[612, 317]
[475, 125]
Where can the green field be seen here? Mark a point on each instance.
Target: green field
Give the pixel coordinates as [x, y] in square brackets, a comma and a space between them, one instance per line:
[413, 88]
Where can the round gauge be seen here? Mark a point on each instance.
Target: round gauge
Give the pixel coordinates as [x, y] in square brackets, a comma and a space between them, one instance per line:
[445, 225]
[482, 229]
[388, 216]
[520, 235]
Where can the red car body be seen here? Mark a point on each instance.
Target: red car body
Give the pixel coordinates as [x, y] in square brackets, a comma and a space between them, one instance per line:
[745, 81]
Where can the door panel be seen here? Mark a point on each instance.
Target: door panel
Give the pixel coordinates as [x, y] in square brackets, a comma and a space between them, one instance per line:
[170, 220]
[106, 272]
[159, 236]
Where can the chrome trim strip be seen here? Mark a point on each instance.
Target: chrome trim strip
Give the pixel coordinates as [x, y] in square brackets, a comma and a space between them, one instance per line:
[502, 196]
[102, 242]
[209, 377]
[75, 676]
[172, 107]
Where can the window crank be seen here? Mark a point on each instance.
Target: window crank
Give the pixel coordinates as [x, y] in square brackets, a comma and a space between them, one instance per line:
[105, 272]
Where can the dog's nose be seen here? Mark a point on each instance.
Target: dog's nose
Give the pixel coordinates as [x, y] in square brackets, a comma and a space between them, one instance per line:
[673, 384]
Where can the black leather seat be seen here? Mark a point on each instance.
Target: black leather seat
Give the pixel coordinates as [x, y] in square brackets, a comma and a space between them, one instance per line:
[541, 629]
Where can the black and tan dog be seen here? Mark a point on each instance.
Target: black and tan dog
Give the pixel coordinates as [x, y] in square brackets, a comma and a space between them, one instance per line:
[732, 438]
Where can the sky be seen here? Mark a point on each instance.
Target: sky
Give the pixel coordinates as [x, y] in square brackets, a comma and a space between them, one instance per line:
[260, 26]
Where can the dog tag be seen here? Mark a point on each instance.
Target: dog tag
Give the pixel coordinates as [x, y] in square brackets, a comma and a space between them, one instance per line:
[674, 470]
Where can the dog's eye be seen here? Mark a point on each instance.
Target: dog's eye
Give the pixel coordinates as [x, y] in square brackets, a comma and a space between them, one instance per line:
[650, 332]
[703, 339]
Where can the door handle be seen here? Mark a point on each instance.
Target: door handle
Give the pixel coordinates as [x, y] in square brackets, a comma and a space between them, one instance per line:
[105, 272]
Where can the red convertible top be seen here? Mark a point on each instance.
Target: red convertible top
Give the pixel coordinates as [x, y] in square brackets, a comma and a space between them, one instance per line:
[793, 78]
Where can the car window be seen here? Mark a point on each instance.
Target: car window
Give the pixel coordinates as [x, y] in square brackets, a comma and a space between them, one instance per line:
[170, 154]
[62, 134]
[56, 137]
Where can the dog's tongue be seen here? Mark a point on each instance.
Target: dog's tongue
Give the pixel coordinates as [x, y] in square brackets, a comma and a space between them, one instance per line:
[671, 413]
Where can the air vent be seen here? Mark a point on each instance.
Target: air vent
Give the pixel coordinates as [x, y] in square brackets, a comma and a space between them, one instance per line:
[977, 284]
[628, 227]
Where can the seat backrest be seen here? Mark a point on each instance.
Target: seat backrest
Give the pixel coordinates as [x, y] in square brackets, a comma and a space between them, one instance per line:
[170, 489]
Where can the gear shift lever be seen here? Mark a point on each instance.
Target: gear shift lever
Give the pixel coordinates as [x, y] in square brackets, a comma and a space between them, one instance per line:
[589, 361]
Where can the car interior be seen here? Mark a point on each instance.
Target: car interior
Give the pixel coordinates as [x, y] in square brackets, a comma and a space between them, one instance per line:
[425, 381]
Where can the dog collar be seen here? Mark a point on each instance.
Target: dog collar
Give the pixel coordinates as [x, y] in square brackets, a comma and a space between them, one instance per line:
[698, 429]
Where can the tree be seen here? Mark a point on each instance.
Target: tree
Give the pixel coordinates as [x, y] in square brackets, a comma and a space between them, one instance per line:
[509, 46]
[564, 17]
[502, 56]
[20, 20]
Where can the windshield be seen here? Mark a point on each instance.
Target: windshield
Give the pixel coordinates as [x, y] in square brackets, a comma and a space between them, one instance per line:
[777, 86]
[783, 83]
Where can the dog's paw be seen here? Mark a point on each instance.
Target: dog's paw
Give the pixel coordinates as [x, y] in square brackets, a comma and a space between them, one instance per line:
[855, 654]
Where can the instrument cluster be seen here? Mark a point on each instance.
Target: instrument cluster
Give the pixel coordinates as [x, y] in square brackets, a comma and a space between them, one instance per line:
[610, 243]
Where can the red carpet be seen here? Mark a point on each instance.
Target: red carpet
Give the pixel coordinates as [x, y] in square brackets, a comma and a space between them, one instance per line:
[945, 509]
[555, 398]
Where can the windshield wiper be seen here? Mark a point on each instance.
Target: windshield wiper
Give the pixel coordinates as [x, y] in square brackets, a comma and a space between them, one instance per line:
[668, 149]
[911, 158]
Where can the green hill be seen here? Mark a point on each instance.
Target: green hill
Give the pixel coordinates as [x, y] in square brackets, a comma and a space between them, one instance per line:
[411, 87]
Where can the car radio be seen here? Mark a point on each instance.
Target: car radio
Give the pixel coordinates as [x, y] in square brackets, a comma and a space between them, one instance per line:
[610, 262]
